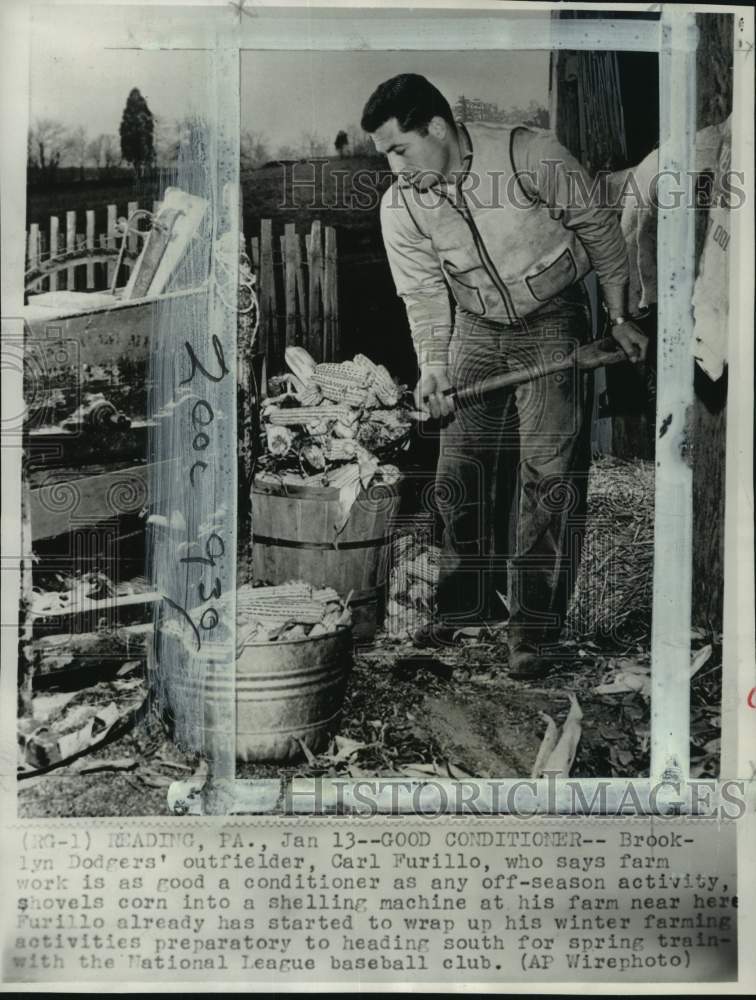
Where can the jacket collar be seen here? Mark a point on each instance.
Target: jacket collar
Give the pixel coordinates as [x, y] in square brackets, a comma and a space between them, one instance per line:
[466, 151]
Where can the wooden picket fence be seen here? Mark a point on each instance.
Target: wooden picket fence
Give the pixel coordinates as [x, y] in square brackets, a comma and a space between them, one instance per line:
[296, 279]
[82, 272]
[297, 291]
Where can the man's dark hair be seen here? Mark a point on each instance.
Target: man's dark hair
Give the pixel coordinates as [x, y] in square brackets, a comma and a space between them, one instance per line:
[409, 98]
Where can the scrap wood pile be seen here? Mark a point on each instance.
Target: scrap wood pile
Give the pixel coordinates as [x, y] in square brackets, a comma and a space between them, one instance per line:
[614, 588]
[81, 628]
[322, 421]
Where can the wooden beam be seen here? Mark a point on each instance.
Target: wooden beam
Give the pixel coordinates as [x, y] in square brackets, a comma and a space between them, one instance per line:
[59, 507]
[315, 262]
[673, 535]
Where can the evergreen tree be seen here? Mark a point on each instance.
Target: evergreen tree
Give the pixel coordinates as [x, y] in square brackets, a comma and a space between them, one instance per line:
[137, 133]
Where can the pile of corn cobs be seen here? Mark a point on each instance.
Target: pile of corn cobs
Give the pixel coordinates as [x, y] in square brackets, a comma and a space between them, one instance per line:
[286, 612]
[322, 416]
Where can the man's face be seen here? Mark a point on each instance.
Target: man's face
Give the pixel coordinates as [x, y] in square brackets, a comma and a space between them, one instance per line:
[421, 159]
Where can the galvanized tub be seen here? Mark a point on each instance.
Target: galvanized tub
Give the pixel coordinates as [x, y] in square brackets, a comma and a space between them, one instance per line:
[285, 692]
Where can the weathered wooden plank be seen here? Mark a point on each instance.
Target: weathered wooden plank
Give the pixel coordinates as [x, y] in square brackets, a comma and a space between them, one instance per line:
[332, 349]
[267, 291]
[132, 242]
[90, 242]
[315, 262]
[103, 336]
[57, 654]
[70, 247]
[112, 220]
[290, 248]
[32, 246]
[86, 615]
[670, 634]
[433, 30]
[55, 509]
[300, 281]
[54, 238]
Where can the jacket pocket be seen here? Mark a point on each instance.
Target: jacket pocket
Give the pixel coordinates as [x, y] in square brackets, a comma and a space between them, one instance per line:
[554, 278]
[466, 293]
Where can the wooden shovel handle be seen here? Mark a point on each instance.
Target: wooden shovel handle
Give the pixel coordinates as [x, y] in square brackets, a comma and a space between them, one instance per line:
[586, 357]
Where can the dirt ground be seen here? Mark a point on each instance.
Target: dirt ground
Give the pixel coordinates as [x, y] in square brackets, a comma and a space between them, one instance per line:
[452, 713]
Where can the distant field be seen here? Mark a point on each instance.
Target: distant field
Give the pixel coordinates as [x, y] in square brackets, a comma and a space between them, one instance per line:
[82, 196]
[340, 192]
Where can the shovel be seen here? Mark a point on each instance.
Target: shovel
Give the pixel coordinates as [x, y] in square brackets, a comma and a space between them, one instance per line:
[588, 356]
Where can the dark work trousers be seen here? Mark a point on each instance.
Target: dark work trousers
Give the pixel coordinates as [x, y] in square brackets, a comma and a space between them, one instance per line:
[511, 480]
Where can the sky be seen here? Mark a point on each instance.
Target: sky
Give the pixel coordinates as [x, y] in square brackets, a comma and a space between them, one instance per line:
[284, 94]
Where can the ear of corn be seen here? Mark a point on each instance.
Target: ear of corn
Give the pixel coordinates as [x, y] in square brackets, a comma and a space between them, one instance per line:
[345, 382]
[310, 394]
[382, 386]
[301, 362]
[291, 417]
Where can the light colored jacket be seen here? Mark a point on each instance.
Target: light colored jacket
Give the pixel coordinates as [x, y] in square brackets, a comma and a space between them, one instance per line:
[505, 239]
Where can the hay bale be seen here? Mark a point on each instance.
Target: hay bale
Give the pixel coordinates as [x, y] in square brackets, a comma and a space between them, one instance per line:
[614, 588]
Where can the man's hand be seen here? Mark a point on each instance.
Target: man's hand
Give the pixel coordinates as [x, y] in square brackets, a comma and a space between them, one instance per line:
[433, 381]
[632, 341]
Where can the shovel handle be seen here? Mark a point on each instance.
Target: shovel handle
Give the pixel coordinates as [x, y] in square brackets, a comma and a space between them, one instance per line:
[588, 356]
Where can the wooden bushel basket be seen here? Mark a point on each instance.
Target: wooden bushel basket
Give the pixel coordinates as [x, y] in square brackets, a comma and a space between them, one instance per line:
[295, 538]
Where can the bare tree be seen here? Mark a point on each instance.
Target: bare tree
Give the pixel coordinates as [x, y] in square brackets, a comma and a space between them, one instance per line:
[104, 153]
[286, 153]
[254, 149]
[310, 144]
[360, 142]
[75, 149]
[45, 147]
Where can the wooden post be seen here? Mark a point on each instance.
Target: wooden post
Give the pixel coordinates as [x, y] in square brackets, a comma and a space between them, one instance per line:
[32, 250]
[90, 237]
[110, 237]
[301, 292]
[70, 247]
[254, 246]
[315, 261]
[133, 243]
[330, 299]
[54, 228]
[267, 291]
[25, 646]
[714, 104]
[290, 247]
